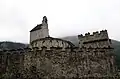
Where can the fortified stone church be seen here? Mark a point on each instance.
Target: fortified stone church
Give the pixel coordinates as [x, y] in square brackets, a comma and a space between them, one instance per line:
[54, 58]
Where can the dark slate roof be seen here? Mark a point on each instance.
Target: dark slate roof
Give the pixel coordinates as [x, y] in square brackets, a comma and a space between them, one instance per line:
[36, 28]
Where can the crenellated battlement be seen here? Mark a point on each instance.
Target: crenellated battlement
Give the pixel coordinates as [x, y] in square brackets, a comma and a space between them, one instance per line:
[96, 36]
[60, 49]
[97, 39]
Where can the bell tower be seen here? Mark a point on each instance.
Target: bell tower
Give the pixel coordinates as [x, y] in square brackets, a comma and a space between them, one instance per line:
[44, 21]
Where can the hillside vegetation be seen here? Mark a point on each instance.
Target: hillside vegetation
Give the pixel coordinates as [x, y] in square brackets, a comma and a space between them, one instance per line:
[11, 45]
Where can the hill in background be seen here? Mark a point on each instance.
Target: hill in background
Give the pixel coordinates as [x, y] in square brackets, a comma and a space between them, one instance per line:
[11, 45]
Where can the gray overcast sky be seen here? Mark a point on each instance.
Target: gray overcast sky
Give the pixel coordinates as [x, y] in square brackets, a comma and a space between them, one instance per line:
[65, 17]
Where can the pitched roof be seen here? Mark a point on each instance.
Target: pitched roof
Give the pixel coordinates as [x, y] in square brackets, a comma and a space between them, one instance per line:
[36, 28]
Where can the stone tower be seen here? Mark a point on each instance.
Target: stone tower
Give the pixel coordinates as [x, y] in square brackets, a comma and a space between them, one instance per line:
[95, 40]
[40, 31]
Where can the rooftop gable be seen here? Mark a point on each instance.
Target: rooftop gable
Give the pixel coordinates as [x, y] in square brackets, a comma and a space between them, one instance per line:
[36, 28]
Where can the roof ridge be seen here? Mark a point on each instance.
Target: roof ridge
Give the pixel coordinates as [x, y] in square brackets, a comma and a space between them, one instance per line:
[36, 27]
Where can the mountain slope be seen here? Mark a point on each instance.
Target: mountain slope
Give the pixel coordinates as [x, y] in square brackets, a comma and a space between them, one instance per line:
[11, 45]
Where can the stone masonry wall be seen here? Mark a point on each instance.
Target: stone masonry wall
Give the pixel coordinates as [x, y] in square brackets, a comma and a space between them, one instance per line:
[68, 64]
[51, 42]
[95, 40]
[55, 63]
[11, 63]
[58, 59]
[38, 34]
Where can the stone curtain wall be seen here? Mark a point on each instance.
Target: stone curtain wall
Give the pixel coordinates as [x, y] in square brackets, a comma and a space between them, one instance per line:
[11, 63]
[71, 64]
[57, 63]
